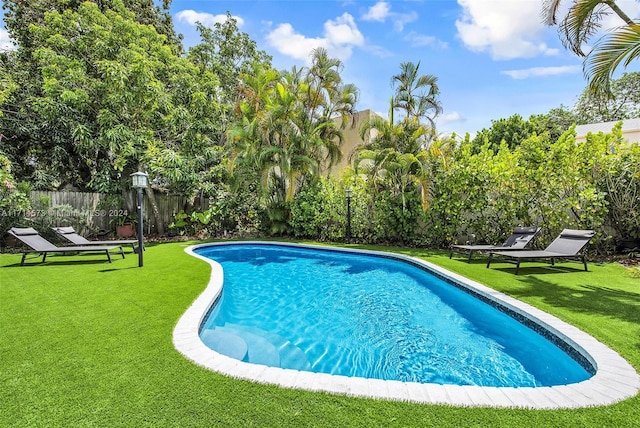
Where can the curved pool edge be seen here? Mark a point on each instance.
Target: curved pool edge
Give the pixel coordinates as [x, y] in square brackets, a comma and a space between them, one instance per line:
[615, 379]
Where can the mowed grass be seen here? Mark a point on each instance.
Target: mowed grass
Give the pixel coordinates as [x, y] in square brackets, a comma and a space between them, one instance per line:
[88, 343]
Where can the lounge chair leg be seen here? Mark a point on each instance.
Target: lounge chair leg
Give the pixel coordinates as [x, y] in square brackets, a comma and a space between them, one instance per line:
[489, 261]
[451, 253]
[517, 266]
[24, 256]
[470, 254]
[584, 261]
[44, 257]
[108, 256]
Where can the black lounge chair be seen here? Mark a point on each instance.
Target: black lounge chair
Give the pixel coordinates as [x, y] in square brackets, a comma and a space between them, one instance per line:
[69, 233]
[518, 240]
[568, 245]
[41, 246]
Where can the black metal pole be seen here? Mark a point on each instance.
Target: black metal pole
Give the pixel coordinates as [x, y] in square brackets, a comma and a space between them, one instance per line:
[349, 219]
[140, 229]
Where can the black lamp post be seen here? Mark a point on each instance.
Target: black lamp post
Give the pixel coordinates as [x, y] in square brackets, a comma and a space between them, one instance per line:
[139, 183]
[348, 193]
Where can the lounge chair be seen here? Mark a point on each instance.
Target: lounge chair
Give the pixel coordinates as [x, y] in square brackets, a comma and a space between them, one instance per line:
[518, 240]
[568, 245]
[72, 236]
[38, 244]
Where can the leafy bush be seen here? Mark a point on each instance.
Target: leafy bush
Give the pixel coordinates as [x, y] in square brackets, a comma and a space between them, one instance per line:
[620, 182]
[478, 194]
[319, 211]
[199, 223]
[562, 183]
[14, 202]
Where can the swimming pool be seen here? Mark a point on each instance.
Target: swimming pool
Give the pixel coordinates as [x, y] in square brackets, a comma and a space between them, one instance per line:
[420, 381]
[364, 315]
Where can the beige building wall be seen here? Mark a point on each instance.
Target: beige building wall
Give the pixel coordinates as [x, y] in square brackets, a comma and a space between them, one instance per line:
[350, 140]
[630, 130]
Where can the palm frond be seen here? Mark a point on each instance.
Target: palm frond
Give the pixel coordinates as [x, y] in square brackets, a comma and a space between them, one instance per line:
[582, 22]
[550, 11]
[611, 51]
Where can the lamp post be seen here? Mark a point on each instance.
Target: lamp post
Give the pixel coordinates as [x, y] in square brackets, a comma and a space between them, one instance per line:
[139, 182]
[348, 193]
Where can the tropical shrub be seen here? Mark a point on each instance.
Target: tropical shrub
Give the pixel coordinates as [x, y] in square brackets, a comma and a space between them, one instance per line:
[236, 211]
[319, 211]
[559, 182]
[619, 181]
[485, 192]
[14, 202]
[477, 195]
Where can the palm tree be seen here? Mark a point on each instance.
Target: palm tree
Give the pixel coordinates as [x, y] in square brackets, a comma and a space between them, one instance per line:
[287, 129]
[325, 97]
[416, 94]
[398, 172]
[396, 157]
[581, 22]
[247, 137]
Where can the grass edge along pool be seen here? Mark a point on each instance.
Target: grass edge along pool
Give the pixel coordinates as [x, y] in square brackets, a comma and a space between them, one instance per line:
[613, 381]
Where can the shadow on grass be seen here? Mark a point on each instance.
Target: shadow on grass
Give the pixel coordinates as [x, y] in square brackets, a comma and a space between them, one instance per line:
[118, 269]
[585, 298]
[539, 270]
[57, 263]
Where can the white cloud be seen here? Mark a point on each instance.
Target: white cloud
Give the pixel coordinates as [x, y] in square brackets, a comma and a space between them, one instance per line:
[6, 43]
[208, 20]
[343, 31]
[378, 12]
[418, 40]
[506, 29]
[542, 71]
[339, 38]
[379, 51]
[453, 117]
[286, 41]
[400, 19]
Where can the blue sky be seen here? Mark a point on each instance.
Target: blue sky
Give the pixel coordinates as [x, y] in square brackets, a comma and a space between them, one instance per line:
[492, 58]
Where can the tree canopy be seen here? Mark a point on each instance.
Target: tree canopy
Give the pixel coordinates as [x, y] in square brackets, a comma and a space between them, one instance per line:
[110, 95]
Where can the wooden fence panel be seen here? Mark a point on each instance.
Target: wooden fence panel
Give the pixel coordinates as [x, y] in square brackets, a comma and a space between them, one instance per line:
[83, 210]
[78, 209]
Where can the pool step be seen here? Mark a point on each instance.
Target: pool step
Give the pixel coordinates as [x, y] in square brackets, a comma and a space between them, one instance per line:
[265, 348]
[225, 343]
[259, 349]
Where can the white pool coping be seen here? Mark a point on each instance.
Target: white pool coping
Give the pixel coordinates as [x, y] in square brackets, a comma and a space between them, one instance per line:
[615, 379]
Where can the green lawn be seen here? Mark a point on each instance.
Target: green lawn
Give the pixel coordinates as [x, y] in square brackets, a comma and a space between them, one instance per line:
[87, 343]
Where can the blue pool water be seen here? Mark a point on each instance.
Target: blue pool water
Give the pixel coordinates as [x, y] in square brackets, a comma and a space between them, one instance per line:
[370, 316]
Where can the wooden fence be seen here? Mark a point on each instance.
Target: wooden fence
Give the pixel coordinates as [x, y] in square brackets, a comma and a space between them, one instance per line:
[89, 212]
